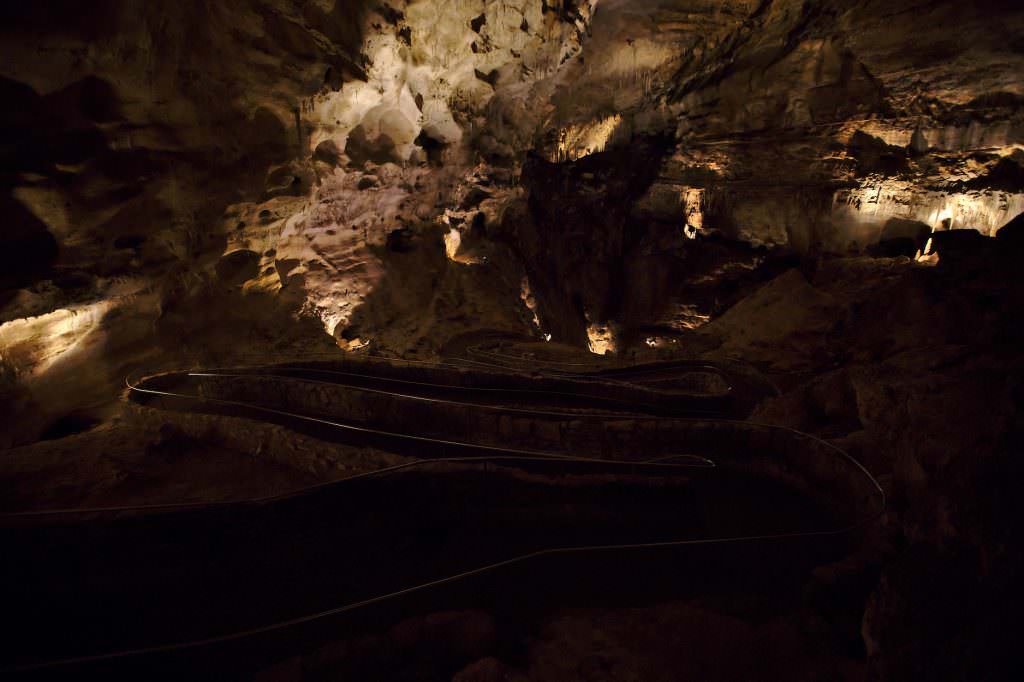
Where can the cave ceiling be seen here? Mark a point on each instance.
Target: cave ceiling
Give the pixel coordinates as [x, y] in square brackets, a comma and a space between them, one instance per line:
[396, 173]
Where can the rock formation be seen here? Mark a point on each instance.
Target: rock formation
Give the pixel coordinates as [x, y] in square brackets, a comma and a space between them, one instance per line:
[830, 190]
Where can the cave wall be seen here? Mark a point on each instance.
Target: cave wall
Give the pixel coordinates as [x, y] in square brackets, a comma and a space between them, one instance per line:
[373, 173]
[811, 127]
[195, 181]
[127, 129]
[872, 105]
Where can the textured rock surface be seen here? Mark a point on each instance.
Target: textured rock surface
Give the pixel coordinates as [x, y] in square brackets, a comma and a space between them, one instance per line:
[809, 185]
[146, 143]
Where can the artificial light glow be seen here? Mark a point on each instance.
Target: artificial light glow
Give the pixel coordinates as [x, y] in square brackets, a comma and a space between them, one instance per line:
[865, 209]
[35, 344]
[926, 256]
[526, 296]
[601, 339]
[354, 344]
[685, 316]
[693, 201]
[578, 141]
[452, 242]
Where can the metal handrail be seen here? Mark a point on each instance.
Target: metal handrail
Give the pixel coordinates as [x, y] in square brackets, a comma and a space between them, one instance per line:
[525, 456]
[274, 372]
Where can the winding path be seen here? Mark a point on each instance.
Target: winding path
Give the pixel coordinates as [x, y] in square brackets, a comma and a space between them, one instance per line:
[192, 586]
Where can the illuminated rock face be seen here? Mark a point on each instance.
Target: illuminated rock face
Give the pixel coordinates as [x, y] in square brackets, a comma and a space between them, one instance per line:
[322, 145]
[804, 107]
[352, 149]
